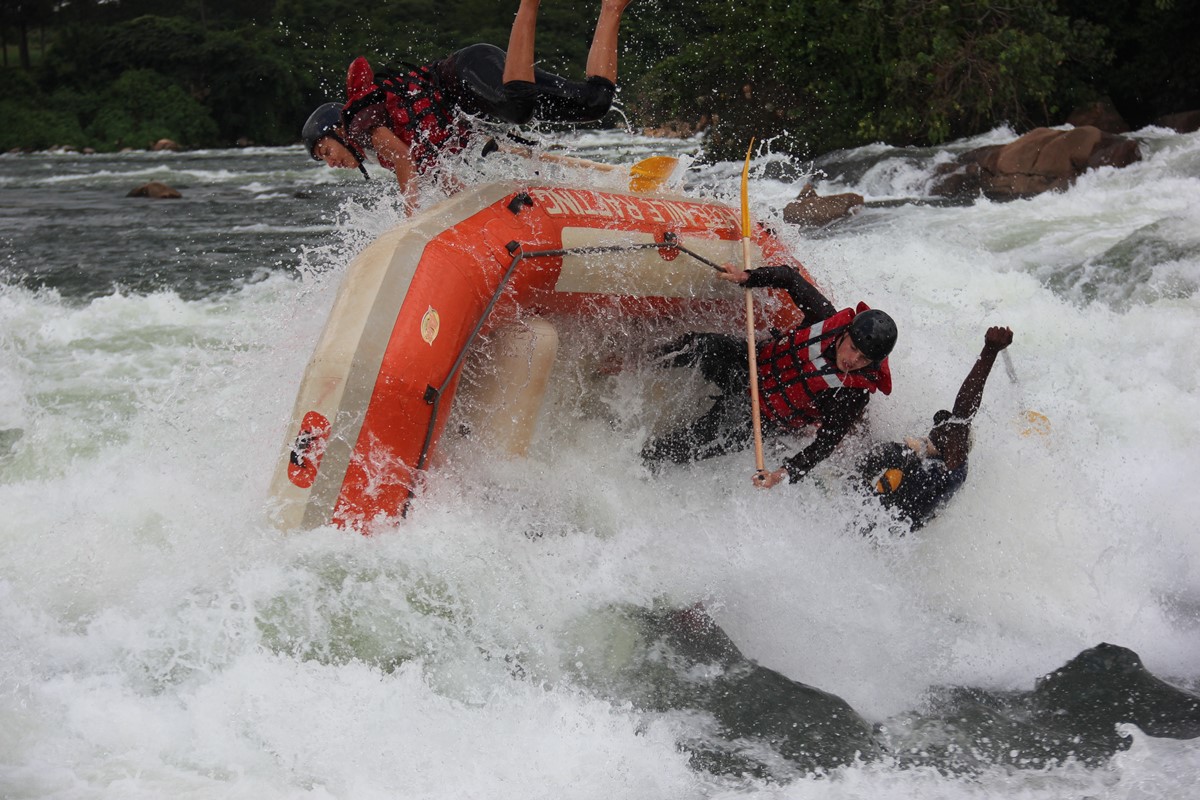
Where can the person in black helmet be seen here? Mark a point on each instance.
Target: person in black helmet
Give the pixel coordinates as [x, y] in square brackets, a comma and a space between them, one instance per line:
[917, 476]
[820, 374]
[409, 118]
[324, 129]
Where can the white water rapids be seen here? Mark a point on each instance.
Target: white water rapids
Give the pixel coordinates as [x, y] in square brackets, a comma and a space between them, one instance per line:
[160, 639]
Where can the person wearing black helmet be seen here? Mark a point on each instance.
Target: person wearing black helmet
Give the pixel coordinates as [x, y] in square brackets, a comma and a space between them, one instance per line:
[326, 123]
[820, 374]
[916, 477]
[409, 118]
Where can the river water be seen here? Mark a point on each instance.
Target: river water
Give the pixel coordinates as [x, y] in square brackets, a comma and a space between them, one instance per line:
[161, 639]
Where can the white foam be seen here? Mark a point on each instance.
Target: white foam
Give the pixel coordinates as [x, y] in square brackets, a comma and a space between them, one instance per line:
[163, 640]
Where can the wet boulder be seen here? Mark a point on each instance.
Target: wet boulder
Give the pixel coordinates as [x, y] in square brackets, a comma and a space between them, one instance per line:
[1107, 685]
[1072, 715]
[1183, 122]
[156, 191]
[810, 209]
[1042, 160]
[1101, 114]
[752, 720]
[679, 659]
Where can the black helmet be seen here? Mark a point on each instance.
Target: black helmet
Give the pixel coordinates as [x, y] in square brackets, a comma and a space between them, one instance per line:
[873, 333]
[323, 122]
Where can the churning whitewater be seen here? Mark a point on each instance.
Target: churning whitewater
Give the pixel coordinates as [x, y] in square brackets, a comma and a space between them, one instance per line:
[163, 639]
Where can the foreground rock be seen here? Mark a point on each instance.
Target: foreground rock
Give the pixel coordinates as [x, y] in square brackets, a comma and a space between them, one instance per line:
[156, 191]
[767, 725]
[681, 660]
[1042, 160]
[1071, 715]
[810, 209]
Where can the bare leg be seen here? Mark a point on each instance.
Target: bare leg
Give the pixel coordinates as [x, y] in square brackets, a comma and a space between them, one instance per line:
[518, 64]
[602, 58]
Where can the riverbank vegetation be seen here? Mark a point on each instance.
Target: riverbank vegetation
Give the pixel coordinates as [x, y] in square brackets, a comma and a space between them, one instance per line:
[809, 76]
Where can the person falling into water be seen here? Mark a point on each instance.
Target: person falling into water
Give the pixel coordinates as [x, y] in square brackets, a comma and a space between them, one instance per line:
[916, 477]
[409, 119]
[821, 374]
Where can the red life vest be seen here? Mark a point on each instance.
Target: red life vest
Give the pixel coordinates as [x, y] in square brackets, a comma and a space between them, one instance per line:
[420, 112]
[794, 368]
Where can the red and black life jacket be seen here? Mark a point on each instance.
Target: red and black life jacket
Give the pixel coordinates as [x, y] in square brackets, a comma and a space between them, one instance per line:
[420, 111]
[796, 366]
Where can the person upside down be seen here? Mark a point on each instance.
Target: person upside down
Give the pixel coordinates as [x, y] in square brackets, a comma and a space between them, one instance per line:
[916, 477]
[409, 119]
[822, 374]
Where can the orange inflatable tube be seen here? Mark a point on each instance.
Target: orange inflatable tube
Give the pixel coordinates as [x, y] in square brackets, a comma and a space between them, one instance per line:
[378, 390]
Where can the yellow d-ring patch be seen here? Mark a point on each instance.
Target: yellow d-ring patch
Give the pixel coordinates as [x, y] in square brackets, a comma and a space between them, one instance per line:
[889, 481]
[431, 323]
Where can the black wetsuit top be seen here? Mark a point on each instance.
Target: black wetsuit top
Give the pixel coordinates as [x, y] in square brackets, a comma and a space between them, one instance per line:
[926, 483]
[471, 81]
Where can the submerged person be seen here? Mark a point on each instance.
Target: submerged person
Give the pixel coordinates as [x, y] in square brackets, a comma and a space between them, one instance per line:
[821, 374]
[917, 476]
[409, 119]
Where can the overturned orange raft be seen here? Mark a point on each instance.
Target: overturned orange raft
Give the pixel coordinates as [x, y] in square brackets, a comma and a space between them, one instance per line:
[379, 388]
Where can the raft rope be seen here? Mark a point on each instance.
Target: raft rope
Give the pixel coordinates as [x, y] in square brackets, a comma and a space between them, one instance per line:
[433, 395]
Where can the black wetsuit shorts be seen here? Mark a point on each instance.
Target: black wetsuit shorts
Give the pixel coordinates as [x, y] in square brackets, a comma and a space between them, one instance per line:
[726, 427]
[474, 78]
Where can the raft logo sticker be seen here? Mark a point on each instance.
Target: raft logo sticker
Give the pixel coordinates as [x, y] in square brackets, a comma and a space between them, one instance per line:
[582, 203]
[431, 323]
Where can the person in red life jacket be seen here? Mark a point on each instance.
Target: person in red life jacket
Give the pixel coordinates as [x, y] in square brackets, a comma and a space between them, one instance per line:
[820, 374]
[916, 477]
[408, 119]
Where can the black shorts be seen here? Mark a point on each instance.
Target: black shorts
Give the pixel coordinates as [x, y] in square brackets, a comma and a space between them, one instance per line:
[474, 78]
[724, 428]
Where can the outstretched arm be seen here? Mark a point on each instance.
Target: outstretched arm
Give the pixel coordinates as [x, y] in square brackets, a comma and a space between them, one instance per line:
[953, 440]
[814, 305]
[971, 391]
[390, 147]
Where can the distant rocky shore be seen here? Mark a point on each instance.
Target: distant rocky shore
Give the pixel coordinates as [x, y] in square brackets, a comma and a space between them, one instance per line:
[167, 145]
[1101, 115]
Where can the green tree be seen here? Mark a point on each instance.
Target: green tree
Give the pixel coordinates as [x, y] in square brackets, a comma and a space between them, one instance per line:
[825, 74]
[809, 76]
[28, 118]
[22, 17]
[143, 106]
[955, 69]
[1153, 69]
[248, 81]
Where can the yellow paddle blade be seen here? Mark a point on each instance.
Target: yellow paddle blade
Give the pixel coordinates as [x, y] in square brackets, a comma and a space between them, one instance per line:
[654, 167]
[651, 173]
[746, 191]
[1033, 423]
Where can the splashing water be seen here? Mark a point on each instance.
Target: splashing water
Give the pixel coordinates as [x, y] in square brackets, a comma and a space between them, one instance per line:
[162, 639]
